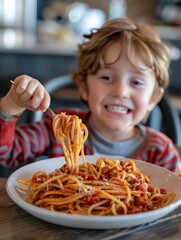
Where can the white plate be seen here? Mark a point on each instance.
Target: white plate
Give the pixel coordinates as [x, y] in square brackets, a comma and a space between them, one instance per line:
[160, 177]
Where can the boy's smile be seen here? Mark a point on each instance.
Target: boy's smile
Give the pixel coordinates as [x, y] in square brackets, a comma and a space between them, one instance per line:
[117, 109]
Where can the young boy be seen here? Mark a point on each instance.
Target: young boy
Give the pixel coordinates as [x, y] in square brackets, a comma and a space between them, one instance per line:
[122, 75]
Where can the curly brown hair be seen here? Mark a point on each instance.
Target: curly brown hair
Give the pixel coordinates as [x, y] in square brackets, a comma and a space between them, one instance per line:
[141, 40]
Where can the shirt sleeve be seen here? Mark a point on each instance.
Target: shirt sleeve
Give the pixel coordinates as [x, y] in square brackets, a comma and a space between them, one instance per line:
[159, 149]
[168, 157]
[21, 144]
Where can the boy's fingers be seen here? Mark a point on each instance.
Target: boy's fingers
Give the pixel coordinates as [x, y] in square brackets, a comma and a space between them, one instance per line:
[40, 100]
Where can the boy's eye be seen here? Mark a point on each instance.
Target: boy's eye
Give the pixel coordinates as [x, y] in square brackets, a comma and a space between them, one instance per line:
[137, 82]
[107, 78]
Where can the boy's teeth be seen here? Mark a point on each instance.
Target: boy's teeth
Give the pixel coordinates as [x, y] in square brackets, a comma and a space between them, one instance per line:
[117, 109]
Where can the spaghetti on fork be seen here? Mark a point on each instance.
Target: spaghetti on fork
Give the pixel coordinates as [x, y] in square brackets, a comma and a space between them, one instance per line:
[72, 134]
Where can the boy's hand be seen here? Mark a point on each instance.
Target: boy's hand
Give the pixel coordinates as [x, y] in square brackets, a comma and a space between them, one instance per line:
[29, 93]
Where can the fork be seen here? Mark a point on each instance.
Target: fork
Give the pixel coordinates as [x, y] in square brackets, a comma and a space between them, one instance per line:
[48, 109]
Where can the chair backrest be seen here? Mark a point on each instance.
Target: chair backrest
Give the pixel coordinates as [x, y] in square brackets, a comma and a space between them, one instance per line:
[164, 116]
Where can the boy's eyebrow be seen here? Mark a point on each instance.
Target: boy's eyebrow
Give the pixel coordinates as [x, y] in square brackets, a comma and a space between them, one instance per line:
[137, 70]
[105, 67]
[141, 70]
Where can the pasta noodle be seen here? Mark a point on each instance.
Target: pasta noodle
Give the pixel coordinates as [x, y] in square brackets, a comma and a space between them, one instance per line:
[108, 187]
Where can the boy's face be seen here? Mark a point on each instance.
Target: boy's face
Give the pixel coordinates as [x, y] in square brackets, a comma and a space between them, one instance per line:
[119, 96]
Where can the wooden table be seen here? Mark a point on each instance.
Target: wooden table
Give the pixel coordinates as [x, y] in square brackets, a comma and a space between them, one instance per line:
[15, 223]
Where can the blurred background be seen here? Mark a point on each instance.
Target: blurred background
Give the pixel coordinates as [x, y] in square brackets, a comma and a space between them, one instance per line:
[40, 37]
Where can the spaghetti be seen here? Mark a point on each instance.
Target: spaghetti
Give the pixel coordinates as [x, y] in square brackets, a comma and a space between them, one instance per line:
[105, 188]
[72, 134]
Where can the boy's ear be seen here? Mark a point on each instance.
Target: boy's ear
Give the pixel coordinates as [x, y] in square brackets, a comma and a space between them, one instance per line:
[155, 99]
[83, 90]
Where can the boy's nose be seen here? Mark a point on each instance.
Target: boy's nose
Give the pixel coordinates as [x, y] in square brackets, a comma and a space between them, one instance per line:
[121, 90]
